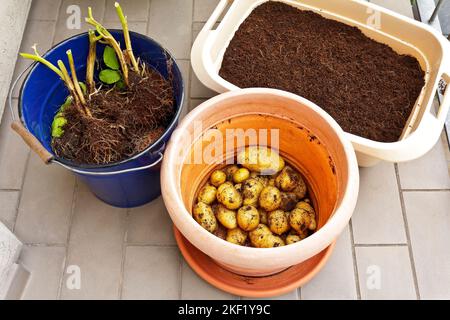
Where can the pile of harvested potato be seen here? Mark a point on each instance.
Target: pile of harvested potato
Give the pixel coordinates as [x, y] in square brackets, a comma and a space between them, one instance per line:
[261, 204]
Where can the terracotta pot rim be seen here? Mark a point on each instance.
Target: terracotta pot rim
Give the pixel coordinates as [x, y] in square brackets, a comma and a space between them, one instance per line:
[319, 240]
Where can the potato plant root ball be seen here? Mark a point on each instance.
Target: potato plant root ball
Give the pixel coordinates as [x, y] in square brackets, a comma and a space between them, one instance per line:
[121, 115]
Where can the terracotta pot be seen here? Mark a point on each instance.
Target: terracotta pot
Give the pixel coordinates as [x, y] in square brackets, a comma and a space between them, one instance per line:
[309, 139]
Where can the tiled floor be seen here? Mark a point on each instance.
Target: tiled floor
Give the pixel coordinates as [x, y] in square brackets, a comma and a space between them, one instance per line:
[395, 247]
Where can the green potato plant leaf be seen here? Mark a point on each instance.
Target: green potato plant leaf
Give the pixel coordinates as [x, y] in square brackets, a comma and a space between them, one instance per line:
[57, 126]
[83, 87]
[110, 58]
[120, 84]
[66, 103]
[109, 76]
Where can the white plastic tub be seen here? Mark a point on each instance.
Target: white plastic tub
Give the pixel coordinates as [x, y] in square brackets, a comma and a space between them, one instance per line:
[404, 35]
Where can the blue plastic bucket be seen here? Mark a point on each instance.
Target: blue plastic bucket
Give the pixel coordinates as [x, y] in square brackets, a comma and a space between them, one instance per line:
[129, 183]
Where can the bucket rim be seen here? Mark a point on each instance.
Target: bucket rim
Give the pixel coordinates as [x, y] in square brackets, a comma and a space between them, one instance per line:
[161, 141]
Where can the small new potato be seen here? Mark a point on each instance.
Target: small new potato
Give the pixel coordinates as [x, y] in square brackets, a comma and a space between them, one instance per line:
[226, 217]
[261, 159]
[292, 238]
[238, 187]
[270, 198]
[230, 170]
[217, 178]
[302, 220]
[207, 194]
[224, 185]
[251, 190]
[241, 175]
[300, 189]
[204, 215]
[287, 180]
[248, 218]
[229, 196]
[278, 222]
[305, 206]
[262, 237]
[236, 236]
[288, 201]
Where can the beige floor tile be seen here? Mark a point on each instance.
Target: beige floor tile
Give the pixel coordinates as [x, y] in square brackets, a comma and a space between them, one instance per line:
[170, 24]
[45, 265]
[203, 9]
[96, 247]
[138, 26]
[8, 207]
[134, 10]
[152, 273]
[194, 103]
[62, 31]
[385, 273]
[198, 90]
[13, 154]
[429, 172]
[195, 288]
[45, 205]
[337, 278]
[399, 6]
[429, 224]
[44, 10]
[36, 32]
[378, 215]
[150, 224]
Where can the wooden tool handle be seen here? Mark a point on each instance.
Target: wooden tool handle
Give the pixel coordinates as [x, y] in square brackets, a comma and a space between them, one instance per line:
[32, 142]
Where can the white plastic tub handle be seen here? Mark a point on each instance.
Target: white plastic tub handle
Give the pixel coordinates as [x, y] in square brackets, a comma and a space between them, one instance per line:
[200, 59]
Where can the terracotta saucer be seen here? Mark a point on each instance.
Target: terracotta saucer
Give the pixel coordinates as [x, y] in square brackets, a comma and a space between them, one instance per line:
[254, 287]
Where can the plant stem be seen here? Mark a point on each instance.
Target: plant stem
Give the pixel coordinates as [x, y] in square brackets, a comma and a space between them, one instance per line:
[90, 65]
[107, 36]
[126, 35]
[75, 78]
[37, 57]
[69, 82]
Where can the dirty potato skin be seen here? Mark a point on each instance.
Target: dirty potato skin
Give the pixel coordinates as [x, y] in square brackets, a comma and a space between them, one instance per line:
[278, 222]
[293, 237]
[305, 205]
[204, 215]
[262, 237]
[229, 196]
[302, 220]
[261, 159]
[300, 189]
[226, 217]
[224, 185]
[217, 178]
[251, 190]
[248, 218]
[236, 236]
[288, 201]
[207, 194]
[287, 179]
[270, 198]
[241, 175]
